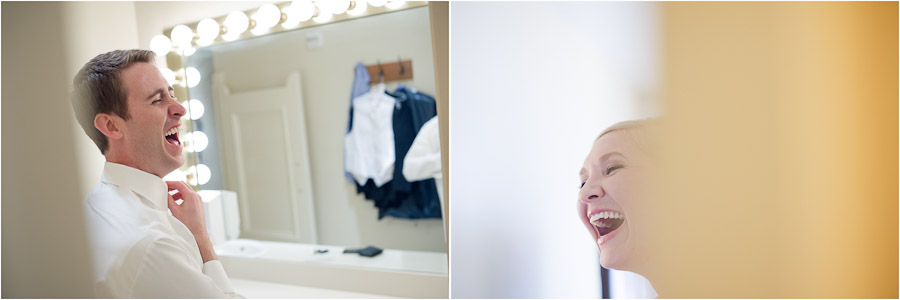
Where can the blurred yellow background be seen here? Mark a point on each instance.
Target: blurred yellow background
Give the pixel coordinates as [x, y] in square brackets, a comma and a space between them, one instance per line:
[780, 151]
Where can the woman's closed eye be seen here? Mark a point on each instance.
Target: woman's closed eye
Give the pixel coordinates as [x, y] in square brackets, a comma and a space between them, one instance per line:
[613, 168]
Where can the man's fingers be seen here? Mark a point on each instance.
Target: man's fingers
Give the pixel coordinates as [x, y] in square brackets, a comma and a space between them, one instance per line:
[177, 185]
[171, 202]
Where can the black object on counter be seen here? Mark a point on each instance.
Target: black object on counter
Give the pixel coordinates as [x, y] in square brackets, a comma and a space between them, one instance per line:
[369, 251]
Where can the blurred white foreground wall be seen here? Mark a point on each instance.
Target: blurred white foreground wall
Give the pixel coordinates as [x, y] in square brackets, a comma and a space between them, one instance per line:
[532, 84]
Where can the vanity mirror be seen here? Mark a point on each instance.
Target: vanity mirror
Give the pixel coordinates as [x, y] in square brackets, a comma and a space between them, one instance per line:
[269, 96]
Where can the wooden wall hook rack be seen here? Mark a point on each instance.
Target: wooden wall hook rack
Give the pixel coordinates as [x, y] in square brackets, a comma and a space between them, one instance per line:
[393, 71]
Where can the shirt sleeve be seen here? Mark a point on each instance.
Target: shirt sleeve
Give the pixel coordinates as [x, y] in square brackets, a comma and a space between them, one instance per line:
[166, 272]
[423, 160]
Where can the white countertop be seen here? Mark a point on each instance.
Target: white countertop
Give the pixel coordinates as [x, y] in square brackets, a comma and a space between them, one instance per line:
[389, 259]
[253, 289]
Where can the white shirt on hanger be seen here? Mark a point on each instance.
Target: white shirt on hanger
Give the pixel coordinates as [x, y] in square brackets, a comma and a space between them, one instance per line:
[423, 161]
[369, 146]
[139, 249]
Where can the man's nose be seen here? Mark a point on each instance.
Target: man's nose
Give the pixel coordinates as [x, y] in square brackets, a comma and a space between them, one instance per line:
[176, 109]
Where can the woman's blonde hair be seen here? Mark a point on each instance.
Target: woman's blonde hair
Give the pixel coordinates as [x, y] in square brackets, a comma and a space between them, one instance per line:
[638, 130]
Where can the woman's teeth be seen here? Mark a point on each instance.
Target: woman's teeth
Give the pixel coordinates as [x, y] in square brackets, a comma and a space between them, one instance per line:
[171, 131]
[606, 215]
[607, 221]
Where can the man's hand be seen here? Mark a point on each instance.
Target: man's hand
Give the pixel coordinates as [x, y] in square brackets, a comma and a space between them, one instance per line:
[191, 213]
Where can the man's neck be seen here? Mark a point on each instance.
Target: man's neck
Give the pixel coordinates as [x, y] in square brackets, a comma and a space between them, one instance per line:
[123, 160]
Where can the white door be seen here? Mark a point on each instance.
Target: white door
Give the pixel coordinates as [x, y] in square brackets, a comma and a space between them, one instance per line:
[266, 159]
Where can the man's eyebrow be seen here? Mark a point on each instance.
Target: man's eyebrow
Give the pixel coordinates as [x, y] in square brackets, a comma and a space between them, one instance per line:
[581, 173]
[159, 91]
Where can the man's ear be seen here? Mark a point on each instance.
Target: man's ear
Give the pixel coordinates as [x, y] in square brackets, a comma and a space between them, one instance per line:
[109, 125]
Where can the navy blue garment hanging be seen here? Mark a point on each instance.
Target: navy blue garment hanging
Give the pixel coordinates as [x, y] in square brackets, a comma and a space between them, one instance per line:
[400, 198]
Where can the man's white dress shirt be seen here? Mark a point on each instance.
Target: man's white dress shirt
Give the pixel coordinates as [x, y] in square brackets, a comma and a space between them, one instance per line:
[139, 249]
[369, 146]
[423, 161]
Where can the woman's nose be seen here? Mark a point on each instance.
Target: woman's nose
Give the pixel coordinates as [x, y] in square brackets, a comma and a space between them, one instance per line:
[591, 192]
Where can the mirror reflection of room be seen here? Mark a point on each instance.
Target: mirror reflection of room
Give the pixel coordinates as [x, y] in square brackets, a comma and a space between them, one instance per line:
[316, 142]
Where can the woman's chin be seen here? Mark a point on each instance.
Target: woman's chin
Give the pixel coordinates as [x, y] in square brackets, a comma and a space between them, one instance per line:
[611, 261]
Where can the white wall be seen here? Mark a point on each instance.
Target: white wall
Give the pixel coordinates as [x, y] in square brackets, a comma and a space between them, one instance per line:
[343, 217]
[532, 84]
[49, 163]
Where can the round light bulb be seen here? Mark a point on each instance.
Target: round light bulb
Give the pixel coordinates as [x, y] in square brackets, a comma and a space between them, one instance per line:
[377, 3]
[257, 30]
[339, 6]
[182, 36]
[298, 12]
[290, 20]
[305, 9]
[177, 175]
[160, 44]
[359, 8]
[267, 16]
[236, 22]
[207, 30]
[195, 108]
[395, 4]
[191, 175]
[324, 12]
[193, 76]
[196, 141]
[168, 74]
[203, 174]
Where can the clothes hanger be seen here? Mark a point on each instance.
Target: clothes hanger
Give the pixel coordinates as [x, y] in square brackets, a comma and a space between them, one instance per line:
[402, 72]
[380, 73]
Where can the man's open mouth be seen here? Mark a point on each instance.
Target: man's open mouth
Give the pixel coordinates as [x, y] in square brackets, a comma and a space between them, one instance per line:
[606, 221]
[172, 136]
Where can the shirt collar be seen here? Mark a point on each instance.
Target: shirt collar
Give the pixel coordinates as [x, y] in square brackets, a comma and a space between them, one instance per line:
[142, 183]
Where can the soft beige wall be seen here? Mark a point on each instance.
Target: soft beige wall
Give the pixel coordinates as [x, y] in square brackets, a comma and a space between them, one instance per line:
[45, 252]
[84, 20]
[780, 151]
[343, 218]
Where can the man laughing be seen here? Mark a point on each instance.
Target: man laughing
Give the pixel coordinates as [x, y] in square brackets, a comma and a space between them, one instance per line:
[127, 108]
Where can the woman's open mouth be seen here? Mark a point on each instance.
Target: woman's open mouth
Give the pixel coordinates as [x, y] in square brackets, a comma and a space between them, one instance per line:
[606, 221]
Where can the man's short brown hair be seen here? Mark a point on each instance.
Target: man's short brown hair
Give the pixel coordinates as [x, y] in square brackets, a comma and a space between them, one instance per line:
[98, 89]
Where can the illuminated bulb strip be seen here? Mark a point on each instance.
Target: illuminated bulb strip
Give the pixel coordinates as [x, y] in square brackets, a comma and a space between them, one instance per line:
[323, 12]
[236, 22]
[182, 36]
[357, 8]
[161, 45]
